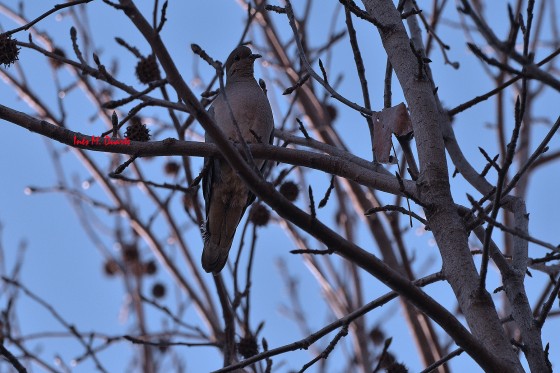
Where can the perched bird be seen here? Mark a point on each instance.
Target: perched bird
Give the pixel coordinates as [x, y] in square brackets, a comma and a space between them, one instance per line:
[226, 195]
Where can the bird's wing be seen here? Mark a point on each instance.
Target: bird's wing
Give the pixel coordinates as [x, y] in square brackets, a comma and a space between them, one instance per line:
[251, 197]
[209, 165]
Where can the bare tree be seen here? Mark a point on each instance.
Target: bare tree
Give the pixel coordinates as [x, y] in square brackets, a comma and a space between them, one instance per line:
[418, 174]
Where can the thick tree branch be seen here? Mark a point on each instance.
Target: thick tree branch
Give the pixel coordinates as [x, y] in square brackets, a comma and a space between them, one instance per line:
[433, 184]
[338, 163]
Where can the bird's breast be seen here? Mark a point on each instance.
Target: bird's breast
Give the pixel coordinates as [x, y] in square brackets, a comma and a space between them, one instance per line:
[251, 111]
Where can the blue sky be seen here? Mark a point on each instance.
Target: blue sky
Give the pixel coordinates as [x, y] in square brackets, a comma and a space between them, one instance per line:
[62, 265]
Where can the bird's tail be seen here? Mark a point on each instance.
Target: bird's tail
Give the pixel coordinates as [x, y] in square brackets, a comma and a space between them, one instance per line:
[218, 237]
[214, 257]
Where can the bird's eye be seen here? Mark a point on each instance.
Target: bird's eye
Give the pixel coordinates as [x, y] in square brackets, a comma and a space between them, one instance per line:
[236, 58]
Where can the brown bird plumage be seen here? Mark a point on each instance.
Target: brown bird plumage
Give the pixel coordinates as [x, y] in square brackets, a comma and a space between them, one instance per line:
[226, 195]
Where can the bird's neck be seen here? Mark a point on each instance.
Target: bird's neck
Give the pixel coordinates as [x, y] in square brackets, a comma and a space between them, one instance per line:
[241, 76]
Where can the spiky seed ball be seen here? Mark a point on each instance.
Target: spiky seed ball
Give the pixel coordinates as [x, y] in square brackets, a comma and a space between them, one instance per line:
[111, 267]
[57, 64]
[137, 132]
[158, 290]
[377, 336]
[332, 111]
[247, 346]
[130, 253]
[171, 168]
[163, 346]
[150, 267]
[259, 215]
[136, 120]
[147, 69]
[9, 51]
[290, 190]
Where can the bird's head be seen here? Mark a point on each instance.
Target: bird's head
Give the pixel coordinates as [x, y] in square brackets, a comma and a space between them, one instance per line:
[240, 63]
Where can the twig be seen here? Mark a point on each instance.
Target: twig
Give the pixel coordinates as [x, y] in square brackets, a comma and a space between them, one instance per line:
[55, 9]
[492, 61]
[228, 346]
[499, 187]
[175, 319]
[515, 232]
[313, 337]
[166, 343]
[400, 209]
[58, 317]
[491, 161]
[548, 304]
[301, 50]
[456, 110]
[113, 104]
[386, 346]
[130, 48]
[123, 166]
[387, 90]
[325, 354]
[532, 159]
[312, 211]
[274, 8]
[75, 46]
[361, 70]
[12, 359]
[312, 251]
[351, 6]
[190, 189]
[325, 199]
[442, 361]
[202, 54]
[298, 84]
[302, 129]
[163, 18]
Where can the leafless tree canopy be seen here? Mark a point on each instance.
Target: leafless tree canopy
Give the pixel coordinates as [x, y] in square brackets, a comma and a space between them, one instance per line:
[419, 174]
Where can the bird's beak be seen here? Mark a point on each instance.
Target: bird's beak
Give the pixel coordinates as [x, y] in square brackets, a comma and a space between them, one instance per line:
[255, 56]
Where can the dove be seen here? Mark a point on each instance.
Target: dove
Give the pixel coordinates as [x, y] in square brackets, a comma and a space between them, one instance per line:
[226, 195]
